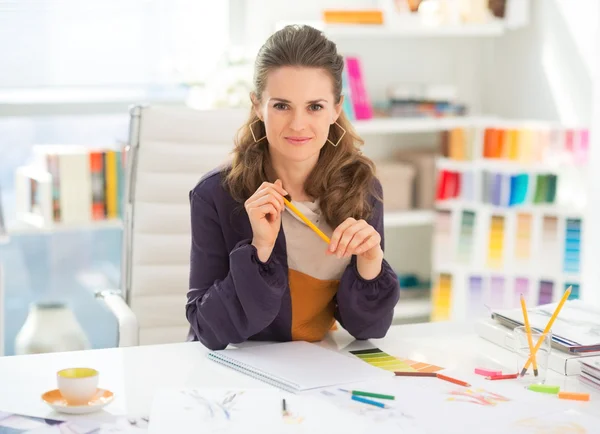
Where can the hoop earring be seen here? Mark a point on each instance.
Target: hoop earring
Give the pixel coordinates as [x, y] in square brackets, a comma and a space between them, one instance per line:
[340, 139]
[252, 132]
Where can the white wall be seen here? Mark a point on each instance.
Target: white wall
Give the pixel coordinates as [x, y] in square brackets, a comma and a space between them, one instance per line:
[591, 239]
[544, 71]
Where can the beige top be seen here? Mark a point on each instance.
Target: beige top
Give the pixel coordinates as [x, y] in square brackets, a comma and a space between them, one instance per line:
[306, 251]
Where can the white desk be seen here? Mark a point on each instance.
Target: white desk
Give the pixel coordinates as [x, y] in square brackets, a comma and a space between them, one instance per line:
[135, 373]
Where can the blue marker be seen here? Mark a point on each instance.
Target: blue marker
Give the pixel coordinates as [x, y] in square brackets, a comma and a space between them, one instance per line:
[369, 401]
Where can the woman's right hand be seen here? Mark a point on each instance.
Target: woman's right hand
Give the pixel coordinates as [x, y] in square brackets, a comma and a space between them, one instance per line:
[264, 210]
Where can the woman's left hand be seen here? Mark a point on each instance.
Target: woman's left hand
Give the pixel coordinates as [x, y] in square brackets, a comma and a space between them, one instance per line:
[356, 237]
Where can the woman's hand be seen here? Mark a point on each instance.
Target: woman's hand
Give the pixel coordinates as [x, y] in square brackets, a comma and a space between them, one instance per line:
[357, 237]
[264, 210]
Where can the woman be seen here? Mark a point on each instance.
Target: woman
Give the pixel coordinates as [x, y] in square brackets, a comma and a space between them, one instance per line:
[258, 272]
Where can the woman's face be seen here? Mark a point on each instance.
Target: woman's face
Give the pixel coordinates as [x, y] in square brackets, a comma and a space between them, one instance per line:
[298, 108]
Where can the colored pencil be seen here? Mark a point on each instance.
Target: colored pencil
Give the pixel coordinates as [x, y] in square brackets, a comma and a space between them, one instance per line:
[415, 374]
[369, 401]
[502, 377]
[547, 328]
[529, 338]
[306, 220]
[453, 380]
[369, 394]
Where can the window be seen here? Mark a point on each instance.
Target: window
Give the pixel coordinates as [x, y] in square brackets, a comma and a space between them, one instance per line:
[110, 42]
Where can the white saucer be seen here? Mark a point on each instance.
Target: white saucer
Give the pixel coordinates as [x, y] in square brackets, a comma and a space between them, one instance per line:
[100, 400]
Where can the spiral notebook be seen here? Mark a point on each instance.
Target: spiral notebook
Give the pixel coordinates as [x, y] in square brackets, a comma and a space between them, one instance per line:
[298, 366]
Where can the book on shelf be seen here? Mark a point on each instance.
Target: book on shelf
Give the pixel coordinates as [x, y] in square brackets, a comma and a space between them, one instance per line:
[353, 16]
[576, 329]
[359, 98]
[559, 361]
[71, 184]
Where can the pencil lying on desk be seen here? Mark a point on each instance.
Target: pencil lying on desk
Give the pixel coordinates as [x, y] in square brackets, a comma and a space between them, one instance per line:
[547, 328]
[529, 338]
[453, 380]
[306, 220]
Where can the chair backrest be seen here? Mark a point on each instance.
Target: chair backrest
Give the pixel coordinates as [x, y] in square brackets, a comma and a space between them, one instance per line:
[169, 150]
[2, 312]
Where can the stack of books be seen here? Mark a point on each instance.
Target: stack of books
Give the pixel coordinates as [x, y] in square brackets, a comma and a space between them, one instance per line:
[590, 372]
[575, 334]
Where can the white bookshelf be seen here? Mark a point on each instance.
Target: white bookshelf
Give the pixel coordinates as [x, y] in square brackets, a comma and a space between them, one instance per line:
[400, 125]
[413, 29]
[409, 218]
[536, 210]
[412, 309]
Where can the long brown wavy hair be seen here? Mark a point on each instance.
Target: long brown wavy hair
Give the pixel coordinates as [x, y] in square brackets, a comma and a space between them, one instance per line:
[343, 178]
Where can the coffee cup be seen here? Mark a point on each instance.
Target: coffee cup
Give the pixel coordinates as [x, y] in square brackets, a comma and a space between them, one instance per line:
[77, 385]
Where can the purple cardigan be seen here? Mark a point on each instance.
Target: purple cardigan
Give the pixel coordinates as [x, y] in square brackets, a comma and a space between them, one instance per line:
[235, 297]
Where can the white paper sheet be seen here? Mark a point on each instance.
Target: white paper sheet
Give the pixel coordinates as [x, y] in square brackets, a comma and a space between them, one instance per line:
[185, 411]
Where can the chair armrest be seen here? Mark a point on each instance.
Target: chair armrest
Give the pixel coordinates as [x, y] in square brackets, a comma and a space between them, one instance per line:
[128, 323]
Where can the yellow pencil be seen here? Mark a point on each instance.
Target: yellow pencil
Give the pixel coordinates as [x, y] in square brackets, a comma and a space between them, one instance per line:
[529, 338]
[307, 221]
[547, 329]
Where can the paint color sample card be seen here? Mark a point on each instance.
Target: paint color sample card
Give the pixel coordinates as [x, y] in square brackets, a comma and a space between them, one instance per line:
[496, 292]
[518, 189]
[572, 256]
[443, 237]
[466, 238]
[381, 359]
[476, 307]
[496, 241]
[521, 287]
[549, 248]
[574, 290]
[523, 237]
[467, 186]
[545, 294]
[442, 298]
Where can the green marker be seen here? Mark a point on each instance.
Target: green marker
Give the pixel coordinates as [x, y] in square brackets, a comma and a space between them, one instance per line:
[369, 394]
[544, 388]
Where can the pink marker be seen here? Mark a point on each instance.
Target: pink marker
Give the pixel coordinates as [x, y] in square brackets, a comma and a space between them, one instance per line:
[487, 372]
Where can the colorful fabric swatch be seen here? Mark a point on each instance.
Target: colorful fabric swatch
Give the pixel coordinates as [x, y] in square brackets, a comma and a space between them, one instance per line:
[572, 245]
[442, 298]
[381, 359]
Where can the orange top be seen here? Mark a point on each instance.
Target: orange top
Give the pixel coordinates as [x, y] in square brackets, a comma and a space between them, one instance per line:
[313, 274]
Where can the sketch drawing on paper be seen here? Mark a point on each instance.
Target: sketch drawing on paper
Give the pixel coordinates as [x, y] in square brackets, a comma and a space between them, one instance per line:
[477, 396]
[213, 409]
[391, 416]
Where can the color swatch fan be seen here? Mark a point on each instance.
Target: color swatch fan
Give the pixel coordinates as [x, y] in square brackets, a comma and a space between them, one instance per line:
[383, 360]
